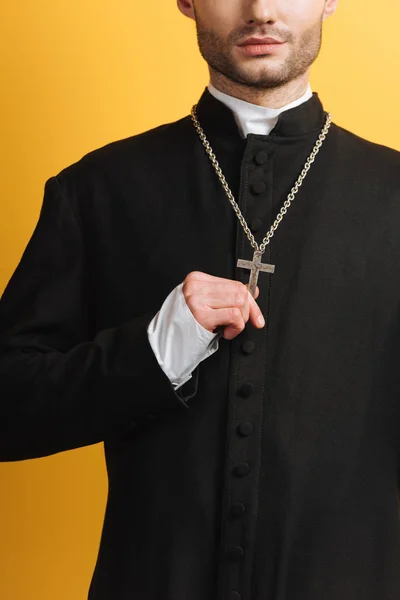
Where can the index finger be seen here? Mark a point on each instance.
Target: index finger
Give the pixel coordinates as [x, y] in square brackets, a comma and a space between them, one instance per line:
[257, 291]
[200, 276]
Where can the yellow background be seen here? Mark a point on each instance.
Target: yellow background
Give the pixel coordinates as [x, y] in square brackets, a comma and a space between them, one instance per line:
[76, 75]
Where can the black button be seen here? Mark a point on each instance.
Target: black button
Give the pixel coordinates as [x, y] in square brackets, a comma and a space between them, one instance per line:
[133, 424]
[151, 416]
[255, 225]
[242, 470]
[236, 552]
[248, 347]
[246, 390]
[261, 158]
[235, 596]
[245, 429]
[238, 509]
[258, 187]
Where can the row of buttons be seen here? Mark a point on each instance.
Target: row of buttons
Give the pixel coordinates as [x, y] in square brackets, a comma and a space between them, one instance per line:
[245, 428]
[259, 187]
[238, 509]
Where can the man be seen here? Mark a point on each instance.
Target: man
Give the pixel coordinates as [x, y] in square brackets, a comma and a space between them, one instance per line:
[246, 460]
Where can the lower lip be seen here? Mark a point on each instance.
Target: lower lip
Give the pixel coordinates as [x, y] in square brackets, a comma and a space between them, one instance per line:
[259, 49]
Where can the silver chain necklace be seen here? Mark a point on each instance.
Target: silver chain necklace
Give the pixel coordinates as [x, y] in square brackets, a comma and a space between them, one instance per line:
[255, 266]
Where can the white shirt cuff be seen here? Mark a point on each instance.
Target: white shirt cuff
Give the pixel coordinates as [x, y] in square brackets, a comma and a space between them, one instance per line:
[179, 342]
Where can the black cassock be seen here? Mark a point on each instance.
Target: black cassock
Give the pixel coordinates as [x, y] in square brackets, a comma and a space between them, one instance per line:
[273, 473]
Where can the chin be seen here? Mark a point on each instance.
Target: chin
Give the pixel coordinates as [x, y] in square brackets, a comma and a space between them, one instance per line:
[264, 66]
[260, 78]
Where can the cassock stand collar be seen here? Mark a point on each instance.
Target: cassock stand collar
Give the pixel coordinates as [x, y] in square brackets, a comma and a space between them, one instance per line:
[219, 120]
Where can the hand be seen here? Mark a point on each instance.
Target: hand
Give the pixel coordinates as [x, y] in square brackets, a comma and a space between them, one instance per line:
[216, 302]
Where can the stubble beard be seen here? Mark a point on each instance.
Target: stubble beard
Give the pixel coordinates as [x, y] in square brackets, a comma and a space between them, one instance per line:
[218, 54]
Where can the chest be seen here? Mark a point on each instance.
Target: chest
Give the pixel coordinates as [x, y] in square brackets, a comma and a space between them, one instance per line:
[335, 246]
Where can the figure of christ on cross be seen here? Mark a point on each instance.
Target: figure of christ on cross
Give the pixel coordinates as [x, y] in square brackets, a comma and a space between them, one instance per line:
[255, 267]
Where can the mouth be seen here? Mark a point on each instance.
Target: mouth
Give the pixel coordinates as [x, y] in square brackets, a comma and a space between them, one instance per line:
[260, 46]
[255, 41]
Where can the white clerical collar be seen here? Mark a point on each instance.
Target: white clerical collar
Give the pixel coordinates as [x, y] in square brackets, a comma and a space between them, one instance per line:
[252, 118]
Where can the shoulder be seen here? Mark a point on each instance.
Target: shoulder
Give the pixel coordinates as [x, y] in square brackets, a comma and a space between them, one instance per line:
[138, 167]
[128, 155]
[362, 153]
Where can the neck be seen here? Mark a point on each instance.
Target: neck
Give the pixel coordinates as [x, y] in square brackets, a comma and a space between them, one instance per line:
[276, 97]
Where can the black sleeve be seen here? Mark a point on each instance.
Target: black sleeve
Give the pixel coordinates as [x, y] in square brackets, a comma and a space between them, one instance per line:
[60, 387]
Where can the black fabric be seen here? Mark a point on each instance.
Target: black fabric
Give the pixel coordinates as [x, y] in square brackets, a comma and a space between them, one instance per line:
[304, 505]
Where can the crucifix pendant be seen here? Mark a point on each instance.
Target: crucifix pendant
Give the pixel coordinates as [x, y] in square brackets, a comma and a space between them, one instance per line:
[255, 266]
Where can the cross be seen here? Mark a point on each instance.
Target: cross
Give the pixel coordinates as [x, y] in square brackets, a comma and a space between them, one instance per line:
[255, 267]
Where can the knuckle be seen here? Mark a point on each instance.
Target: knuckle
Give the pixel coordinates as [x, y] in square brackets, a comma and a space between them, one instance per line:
[245, 295]
[186, 289]
[189, 287]
[191, 277]
[235, 313]
[239, 299]
[239, 294]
